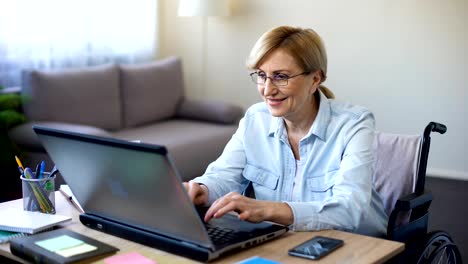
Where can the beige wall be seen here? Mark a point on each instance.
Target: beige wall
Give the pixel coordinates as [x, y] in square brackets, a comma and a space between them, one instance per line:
[406, 60]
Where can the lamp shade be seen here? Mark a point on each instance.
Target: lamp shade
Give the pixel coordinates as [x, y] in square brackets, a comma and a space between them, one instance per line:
[204, 8]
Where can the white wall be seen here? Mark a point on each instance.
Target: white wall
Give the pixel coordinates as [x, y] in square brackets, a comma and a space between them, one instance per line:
[406, 60]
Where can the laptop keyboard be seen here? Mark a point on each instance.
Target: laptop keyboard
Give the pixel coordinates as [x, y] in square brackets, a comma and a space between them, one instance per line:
[220, 235]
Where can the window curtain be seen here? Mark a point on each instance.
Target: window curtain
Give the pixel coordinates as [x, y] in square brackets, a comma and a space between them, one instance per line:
[51, 34]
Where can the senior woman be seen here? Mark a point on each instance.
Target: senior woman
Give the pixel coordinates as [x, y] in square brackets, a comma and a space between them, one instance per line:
[309, 157]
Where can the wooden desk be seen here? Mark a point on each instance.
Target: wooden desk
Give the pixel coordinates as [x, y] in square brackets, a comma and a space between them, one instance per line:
[356, 248]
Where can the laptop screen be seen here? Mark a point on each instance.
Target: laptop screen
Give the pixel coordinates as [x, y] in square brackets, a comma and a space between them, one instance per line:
[132, 183]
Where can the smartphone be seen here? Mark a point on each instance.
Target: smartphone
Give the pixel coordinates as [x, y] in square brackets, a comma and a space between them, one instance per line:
[316, 247]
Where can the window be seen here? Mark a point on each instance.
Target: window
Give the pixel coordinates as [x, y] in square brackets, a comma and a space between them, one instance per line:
[52, 34]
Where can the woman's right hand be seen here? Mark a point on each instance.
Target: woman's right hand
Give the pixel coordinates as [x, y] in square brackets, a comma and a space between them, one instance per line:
[198, 193]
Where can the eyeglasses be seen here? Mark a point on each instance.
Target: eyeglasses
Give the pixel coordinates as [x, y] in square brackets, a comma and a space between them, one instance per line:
[278, 79]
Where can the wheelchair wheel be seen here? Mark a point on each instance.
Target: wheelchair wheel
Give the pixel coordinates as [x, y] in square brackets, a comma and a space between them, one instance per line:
[439, 248]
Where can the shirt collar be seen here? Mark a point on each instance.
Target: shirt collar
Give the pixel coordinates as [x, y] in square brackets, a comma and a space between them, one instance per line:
[276, 126]
[322, 120]
[319, 127]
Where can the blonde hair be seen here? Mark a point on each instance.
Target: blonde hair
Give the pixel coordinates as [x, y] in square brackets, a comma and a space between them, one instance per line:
[304, 45]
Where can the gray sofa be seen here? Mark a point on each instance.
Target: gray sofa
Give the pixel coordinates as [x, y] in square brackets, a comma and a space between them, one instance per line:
[133, 102]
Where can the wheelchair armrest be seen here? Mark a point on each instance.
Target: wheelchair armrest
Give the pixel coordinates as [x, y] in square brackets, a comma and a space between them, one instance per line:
[401, 228]
[412, 201]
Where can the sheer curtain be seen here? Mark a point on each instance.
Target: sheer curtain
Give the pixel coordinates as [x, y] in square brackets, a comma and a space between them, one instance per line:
[51, 34]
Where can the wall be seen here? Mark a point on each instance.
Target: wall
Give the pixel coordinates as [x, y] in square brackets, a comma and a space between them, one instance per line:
[406, 60]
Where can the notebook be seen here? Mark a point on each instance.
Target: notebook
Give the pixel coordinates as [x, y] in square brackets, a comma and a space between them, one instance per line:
[133, 190]
[6, 236]
[18, 220]
[60, 246]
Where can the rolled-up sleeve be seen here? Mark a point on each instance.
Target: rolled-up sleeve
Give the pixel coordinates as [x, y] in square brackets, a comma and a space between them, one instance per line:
[225, 173]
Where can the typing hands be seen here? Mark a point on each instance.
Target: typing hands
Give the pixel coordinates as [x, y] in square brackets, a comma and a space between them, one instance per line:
[198, 193]
[249, 209]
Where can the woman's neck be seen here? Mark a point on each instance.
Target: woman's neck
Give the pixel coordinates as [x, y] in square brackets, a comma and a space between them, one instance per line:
[300, 123]
[298, 127]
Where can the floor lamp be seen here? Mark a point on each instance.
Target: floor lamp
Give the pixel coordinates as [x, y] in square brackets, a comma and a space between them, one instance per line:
[204, 9]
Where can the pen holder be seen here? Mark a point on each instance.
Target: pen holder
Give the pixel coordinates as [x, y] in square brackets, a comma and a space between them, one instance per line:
[39, 194]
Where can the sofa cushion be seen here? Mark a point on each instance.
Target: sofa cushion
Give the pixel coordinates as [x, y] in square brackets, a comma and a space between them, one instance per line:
[24, 136]
[87, 96]
[192, 144]
[210, 111]
[151, 91]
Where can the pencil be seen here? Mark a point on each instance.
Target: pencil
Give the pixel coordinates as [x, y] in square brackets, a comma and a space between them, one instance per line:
[20, 165]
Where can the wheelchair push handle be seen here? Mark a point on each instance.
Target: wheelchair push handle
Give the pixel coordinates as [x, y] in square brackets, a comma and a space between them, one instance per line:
[436, 127]
[426, 142]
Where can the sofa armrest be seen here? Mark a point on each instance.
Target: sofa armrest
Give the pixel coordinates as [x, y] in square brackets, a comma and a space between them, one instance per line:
[212, 111]
[24, 136]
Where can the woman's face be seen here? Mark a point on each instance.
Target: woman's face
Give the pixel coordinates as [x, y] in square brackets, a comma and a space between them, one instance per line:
[294, 100]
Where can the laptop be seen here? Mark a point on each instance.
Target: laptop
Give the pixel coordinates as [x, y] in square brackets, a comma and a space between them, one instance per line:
[133, 190]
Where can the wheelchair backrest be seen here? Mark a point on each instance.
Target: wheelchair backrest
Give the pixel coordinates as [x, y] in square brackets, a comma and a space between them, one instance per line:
[396, 167]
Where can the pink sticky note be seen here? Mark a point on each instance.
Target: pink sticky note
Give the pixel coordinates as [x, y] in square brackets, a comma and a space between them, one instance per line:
[131, 257]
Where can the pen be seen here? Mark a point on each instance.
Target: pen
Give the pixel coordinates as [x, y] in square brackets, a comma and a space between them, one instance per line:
[36, 172]
[41, 170]
[33, 203]
[70, 198]
[54, 171]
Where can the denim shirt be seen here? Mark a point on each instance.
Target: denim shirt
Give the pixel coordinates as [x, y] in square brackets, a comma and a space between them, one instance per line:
[337, 168]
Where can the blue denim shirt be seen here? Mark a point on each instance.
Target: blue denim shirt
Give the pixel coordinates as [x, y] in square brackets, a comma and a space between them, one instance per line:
[337, 168]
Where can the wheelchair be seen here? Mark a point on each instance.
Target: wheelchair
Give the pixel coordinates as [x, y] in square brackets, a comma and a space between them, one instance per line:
[400, 156]
[399, 177]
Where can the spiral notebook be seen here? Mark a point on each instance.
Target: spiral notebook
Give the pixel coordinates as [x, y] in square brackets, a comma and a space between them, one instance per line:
[17, 220]
[6, 236]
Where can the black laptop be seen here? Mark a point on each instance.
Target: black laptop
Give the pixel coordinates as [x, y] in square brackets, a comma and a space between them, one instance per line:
[133, 190]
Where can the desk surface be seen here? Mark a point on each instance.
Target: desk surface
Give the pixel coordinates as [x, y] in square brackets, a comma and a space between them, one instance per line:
[356, 248]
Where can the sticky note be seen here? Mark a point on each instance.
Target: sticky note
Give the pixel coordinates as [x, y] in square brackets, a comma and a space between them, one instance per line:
[76, 250]
[58, 243]
[131, 257]
[257, 260]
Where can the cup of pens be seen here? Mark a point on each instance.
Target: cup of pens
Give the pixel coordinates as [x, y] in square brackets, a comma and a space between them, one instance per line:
[38, 189]
[39, 193]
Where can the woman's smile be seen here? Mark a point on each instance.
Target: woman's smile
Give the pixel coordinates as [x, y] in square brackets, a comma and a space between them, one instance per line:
[275, 101]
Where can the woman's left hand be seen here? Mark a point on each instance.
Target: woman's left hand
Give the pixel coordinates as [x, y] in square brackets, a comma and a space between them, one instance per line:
[250, 209]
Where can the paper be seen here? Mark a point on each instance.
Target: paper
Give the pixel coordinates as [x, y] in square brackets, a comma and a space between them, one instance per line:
[257, 260]
[80, 249]
[18, 220]
[58, 243]
[131, 257]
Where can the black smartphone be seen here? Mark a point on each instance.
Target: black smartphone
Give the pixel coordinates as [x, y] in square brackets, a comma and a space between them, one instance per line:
[316, 247]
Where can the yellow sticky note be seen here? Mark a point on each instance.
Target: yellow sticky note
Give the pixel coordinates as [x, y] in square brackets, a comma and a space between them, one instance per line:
[80, 249]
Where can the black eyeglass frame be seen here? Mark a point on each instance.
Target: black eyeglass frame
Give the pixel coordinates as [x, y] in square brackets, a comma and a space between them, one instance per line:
[254, 76]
